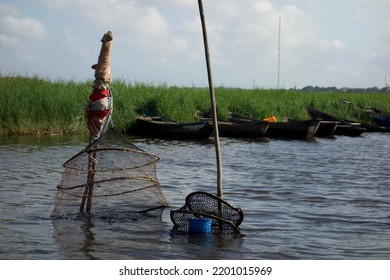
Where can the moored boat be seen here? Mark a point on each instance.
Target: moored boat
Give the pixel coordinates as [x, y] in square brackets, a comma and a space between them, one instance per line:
[344, 127]
[295, 129]
[326, 129]
[166, 128]
[242, 130]
[381, 118]
[349, 130]
[230, 129]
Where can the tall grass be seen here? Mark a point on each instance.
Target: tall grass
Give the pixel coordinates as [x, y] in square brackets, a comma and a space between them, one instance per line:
[31, 105]
[36, 106]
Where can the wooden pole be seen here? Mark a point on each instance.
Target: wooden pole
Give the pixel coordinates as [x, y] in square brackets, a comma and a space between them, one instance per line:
[88, 191]
[91, 181]
[280, 22]
[213, 103]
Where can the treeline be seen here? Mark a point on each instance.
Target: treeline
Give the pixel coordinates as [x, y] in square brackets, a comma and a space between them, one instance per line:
[345, 89]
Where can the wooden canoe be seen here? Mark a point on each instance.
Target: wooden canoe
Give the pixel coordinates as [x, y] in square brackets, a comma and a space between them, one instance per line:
[293, 129]
[242, 130]
[381, 118]
[230, 129]
[344, 127]
[161, 127]
[326, 129]
[287, 130]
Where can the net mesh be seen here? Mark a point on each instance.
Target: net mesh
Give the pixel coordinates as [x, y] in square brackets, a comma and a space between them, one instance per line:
[225, 218]
[110, 179]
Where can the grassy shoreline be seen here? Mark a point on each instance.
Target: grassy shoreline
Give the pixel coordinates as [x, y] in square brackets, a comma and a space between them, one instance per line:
[35, 106]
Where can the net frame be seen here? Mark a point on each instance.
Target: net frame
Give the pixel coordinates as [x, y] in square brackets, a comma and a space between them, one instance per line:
[123, 179]
[225, 217]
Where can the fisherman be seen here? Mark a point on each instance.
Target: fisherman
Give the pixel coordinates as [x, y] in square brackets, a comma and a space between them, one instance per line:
[99, 106]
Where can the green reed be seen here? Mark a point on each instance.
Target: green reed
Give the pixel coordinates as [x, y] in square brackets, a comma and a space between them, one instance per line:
[36, 106]
[31, 105]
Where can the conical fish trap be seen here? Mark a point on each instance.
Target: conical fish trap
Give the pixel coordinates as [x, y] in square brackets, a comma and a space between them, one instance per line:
[218, 215]
[110, 179]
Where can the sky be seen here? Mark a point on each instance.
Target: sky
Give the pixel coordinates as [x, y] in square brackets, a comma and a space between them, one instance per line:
[342, 43]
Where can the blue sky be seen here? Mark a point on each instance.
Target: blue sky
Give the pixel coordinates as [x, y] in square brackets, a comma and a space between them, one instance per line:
[342, 43]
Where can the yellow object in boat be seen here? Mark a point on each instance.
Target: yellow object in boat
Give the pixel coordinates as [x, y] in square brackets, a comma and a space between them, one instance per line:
[271, 119]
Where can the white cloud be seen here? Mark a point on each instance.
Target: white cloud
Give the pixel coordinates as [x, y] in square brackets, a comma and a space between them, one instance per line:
[25, 27]
[333, 45]
[263, 6]
[182, 3]
[337, 44]
[161, 40]
[19, 37]
[139, 23]
[17, 26]
[8, 40]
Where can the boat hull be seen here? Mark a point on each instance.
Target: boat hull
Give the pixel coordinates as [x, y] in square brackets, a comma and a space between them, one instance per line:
[288, 130]
[293, 129]
[349, 130]
[343, 127]
[381, 118]
[242, 130]
[326, 129]
[161, 128]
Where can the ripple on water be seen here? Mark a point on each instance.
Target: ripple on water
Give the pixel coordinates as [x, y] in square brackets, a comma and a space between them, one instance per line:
[323, 199]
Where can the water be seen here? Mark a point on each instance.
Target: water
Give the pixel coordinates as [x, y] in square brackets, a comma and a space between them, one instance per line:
[320, 199]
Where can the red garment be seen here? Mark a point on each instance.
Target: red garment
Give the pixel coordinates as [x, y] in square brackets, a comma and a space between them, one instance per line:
[101, 113]
[99, 93]
[96, 95]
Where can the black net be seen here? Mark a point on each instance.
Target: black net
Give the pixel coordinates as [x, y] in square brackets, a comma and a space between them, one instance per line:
[110, 179]
[205, 212]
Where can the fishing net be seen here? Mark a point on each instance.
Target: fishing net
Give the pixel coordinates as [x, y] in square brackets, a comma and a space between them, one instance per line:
[110, 179]
[205, 212]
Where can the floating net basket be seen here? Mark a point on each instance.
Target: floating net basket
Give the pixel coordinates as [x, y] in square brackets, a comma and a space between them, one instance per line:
[110, 179]
[206, 213]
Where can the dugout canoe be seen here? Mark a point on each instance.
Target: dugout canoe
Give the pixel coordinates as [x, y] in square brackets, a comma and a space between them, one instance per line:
[230, 129]
[381, 118]
[161, 127]
[326, 129]
[295, 129]
[345, 127]
[242, 130]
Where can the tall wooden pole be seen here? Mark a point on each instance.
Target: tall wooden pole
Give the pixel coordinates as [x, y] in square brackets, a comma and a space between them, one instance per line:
[213, 103]
[280, 22]
[88, 191]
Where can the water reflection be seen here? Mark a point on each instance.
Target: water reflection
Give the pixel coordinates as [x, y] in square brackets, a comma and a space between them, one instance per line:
[89, 239]
[326, 199]
[148, 238]
[206, 246]
[95, 239]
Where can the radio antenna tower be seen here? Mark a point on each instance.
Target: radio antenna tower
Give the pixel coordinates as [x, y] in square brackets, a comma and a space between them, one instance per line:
[280, 21]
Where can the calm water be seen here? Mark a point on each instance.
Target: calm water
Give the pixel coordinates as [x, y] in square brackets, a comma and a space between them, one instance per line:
[321, 199]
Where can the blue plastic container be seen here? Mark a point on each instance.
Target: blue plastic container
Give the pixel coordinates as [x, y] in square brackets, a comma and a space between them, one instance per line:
[199, 225]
